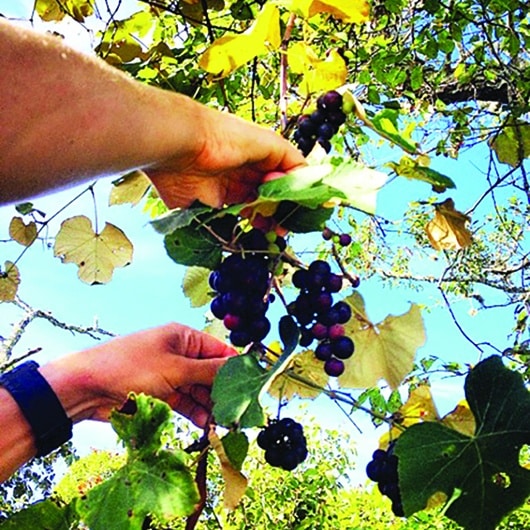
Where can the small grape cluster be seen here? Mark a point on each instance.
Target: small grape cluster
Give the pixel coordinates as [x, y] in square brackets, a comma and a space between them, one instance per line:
[241, 283]
[321, 319]
[383, 469]
[321, 125]
[284, 443]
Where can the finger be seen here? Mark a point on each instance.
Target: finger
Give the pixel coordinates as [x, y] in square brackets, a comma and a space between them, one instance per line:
[189, 342]
[188, 407]
[195, 371]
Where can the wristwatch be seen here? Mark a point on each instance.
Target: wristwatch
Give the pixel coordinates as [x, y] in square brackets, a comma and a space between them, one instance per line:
[40, 405]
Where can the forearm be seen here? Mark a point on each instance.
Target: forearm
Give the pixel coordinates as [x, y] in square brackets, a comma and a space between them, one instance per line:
[72, 387]
[66, 117]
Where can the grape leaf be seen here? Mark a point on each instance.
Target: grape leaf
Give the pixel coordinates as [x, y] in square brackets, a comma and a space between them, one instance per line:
[382, 351]
[236, 447]
[385, 122]
[43, 515]
[178, 218]
[229, 52]
[153, 480]
[461, 419]
[129, 189]
[481, 473]
[418, 408]
[308, 368]
[236, 391]
[9, 282]
[21, 232]
[195, 286]
[96, 255]
[193, 245]
[299, 219]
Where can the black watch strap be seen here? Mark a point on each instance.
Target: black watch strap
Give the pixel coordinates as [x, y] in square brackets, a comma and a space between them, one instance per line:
[41, 407]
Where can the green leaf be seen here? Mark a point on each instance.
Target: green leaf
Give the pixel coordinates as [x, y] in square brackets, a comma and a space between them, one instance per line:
[153, 481]
[385, 123]
[304, 186]
[195, 286]
[162, 487]
[175, 219]
[358, 183]
[236, 448]
[193, 245]
[412, 169]
[143, 423]
[483, 470]
[512, 144]
[44, 515]
[300, 219]
[236, 391]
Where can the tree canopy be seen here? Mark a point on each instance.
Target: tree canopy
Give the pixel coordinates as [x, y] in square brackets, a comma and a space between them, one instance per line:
[427, 88]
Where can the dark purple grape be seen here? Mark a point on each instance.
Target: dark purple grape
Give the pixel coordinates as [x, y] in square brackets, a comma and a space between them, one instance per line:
[325, 131]
[336, 118]
[240, 338]
[345, 240]
[334, 284]
[300, 278]
[306, 145]
[325, 144]
[342, 347]
[264, 439]
[218, 307]
[318, 117]
[323, 352]
[258, 329]
[373, 469]
[331, 101]
[327, 233]
[334, 367]
[322, 302]
[343, 311]
[319, 266]
[306, 126]
[235, 302]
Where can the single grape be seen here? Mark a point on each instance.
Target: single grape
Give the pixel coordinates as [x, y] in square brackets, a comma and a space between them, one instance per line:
[232, 322]
[345, 240]
[331, 101]
[325, 131]
[324, 143]
[319, 266]
[343, 312]
[335, 332]
[240, 338]
[306, 126]
[334, 367]
[218, 307]
[327, 233]
[323, 351]
[319, 331]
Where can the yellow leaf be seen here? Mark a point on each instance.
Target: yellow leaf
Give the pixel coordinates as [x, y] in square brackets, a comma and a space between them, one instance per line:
[129, 189]
[230, 52]
[419, 407]
[319, 75]
[382, 351]
[49, 10]
[448, 229]
[461, 419]
[96, 255]
[9, 281]
[22, 233]
[349, 11]
[306, 366]
[235, 481]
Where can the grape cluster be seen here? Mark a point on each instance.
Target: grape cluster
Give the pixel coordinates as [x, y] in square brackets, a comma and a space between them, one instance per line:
[284, 443]
[241, 284]
[321, 125]
[321, 319]
[383, 469]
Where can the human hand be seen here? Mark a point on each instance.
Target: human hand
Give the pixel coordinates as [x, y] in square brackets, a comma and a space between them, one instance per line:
[230, 158]
[174, 363]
